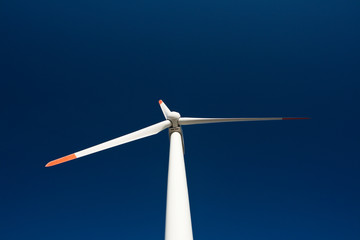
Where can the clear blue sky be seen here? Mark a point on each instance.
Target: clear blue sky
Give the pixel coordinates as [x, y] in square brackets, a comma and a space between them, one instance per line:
[77, 73]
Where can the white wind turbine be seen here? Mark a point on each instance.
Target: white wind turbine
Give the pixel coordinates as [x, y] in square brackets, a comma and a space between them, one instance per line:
[178, 219]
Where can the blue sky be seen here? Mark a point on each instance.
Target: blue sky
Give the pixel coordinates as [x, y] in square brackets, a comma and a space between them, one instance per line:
[77, 73]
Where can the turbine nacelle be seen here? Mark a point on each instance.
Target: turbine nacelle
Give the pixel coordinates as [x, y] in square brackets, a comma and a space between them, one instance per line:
[173, 116]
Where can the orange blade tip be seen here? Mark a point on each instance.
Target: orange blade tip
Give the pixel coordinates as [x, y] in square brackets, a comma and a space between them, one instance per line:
[61, 160]
[160, 101]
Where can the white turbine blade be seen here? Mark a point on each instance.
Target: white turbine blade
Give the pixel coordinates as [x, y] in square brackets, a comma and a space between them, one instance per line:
[166, 111]
[142, 133]
[191, 121]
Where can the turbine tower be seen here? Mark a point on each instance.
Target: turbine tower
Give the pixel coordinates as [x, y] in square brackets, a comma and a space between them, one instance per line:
[178, 220]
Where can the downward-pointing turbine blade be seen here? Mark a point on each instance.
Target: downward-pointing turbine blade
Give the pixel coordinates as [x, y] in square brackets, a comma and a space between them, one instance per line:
[142, 133]
[192, 121]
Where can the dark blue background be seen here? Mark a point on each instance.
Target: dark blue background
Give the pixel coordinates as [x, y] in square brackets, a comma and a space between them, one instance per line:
[77, 73]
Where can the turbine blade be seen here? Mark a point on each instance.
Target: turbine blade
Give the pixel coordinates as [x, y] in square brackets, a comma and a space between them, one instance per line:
[166, 111]
[142, 133]
[192, 121]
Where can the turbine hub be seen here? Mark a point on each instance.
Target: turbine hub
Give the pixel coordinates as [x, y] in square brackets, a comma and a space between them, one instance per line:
[173, 116]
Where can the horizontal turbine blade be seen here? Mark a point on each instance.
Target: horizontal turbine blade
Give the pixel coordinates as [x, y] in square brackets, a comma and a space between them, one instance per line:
[142, 133]
[192, 121]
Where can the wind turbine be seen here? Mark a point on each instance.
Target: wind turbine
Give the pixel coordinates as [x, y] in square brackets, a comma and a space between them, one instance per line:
[178, 219]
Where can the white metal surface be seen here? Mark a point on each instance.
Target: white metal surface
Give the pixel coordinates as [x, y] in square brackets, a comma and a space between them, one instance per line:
[166, 111]
[178, 219]
[191, 121]
[142, 133]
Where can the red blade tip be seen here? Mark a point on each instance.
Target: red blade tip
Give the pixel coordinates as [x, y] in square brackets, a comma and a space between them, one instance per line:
[160, 101]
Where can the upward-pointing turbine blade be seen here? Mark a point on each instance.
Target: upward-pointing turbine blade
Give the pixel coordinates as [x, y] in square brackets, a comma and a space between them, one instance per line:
[166, 111]
[192, 121]
[142, 133]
